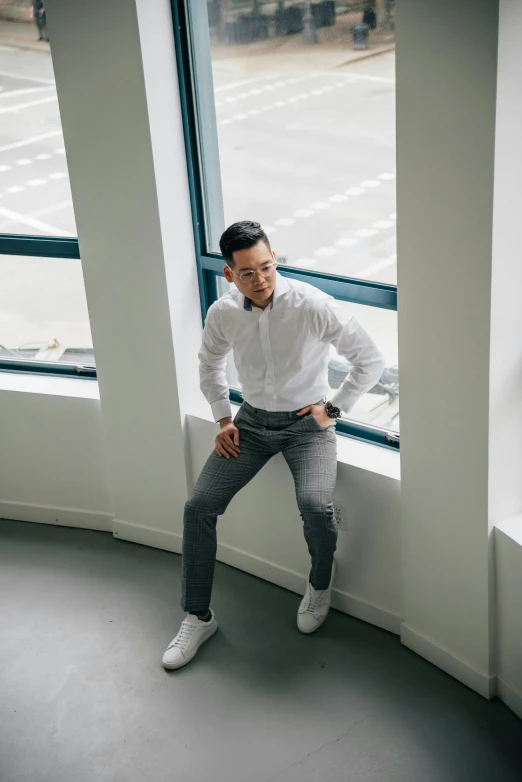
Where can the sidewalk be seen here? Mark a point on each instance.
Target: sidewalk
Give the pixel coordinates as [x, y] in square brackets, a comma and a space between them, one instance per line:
[22, 35]
[333, 50]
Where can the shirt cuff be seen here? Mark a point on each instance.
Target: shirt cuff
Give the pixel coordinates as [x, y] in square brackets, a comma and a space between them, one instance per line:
[344, 400]
[221, 409]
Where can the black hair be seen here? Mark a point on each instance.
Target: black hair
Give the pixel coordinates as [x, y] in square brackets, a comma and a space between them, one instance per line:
[241, 236]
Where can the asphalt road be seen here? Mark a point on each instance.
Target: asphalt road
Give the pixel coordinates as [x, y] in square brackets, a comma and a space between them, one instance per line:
[309, 154]
[312, 157]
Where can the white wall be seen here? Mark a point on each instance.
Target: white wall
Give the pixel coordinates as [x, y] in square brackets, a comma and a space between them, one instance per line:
[51, 453]
[505, 424]
[125, 151]
[446, 85]
[508, 560]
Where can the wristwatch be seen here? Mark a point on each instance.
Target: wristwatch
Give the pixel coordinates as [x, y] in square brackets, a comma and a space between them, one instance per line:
[332, 411]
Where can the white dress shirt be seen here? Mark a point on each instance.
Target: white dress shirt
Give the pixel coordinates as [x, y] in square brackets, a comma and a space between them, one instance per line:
[282, 353]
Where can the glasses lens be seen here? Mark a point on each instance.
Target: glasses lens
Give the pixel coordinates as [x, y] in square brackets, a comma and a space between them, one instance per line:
[247, 276]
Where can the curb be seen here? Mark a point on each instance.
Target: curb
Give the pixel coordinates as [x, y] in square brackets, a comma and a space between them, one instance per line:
[366, 54]
[30, 47]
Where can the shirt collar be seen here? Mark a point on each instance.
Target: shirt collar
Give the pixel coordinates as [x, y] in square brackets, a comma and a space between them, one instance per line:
[281, 288]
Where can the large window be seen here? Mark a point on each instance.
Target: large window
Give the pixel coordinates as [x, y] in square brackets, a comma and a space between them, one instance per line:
[288, 124]
[44, 325]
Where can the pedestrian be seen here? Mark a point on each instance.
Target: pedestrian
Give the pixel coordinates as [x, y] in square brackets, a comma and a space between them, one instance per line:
[370, 17]
[280, 332]
[40, 18]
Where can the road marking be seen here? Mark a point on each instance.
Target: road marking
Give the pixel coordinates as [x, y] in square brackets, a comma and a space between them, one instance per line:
[54, 208]
[367, 77]
[365, 233]
[36, 79]
[304, 262]
[20, 106]
[32, 222]
[235, 84]
[284, 221]
[377, 266]
[325, 252]
[347, 242]
[50, 209]
[33, 140]
[26, 91]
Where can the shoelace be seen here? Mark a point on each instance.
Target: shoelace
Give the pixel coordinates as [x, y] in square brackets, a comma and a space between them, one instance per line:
[184, 635]
[315, 600]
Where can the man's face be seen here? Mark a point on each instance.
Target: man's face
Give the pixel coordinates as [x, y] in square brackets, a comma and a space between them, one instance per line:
[261, 288]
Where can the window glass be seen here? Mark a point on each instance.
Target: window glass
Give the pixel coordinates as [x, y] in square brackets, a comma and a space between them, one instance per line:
[35, 197]
[297, 128]
[43, 310]
[380, 407]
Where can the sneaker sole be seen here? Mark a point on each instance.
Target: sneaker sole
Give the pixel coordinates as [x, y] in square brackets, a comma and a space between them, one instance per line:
[175, 666]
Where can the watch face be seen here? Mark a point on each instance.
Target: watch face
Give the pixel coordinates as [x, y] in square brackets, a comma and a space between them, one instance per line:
[333, 412]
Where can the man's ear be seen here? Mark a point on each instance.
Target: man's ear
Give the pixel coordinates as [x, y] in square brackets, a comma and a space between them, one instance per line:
[228, 274]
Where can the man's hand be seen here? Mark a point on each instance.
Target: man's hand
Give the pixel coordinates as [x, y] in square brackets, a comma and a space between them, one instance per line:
[319, 413]
[227, 441]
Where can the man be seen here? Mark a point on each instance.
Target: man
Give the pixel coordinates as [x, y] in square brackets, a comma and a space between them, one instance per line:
[280, 332]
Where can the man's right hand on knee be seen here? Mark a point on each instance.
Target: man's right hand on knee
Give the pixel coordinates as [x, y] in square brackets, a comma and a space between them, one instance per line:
[227, 441]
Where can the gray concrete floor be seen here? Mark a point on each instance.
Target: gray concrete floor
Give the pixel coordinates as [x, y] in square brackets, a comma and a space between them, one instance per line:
[84, 622]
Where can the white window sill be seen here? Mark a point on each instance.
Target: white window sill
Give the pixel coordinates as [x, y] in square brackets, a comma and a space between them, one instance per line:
[24, 382]
[364, 456]
[512, 527]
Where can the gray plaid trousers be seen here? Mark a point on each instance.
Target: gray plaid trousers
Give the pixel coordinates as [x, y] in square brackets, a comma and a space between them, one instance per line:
[310, 452]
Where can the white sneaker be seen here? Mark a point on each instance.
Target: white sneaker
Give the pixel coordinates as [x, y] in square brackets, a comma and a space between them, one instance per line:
[314, 606]
[184, 646]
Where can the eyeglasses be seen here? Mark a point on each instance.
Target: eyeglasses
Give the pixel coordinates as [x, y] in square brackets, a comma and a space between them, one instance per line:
[249, 275]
